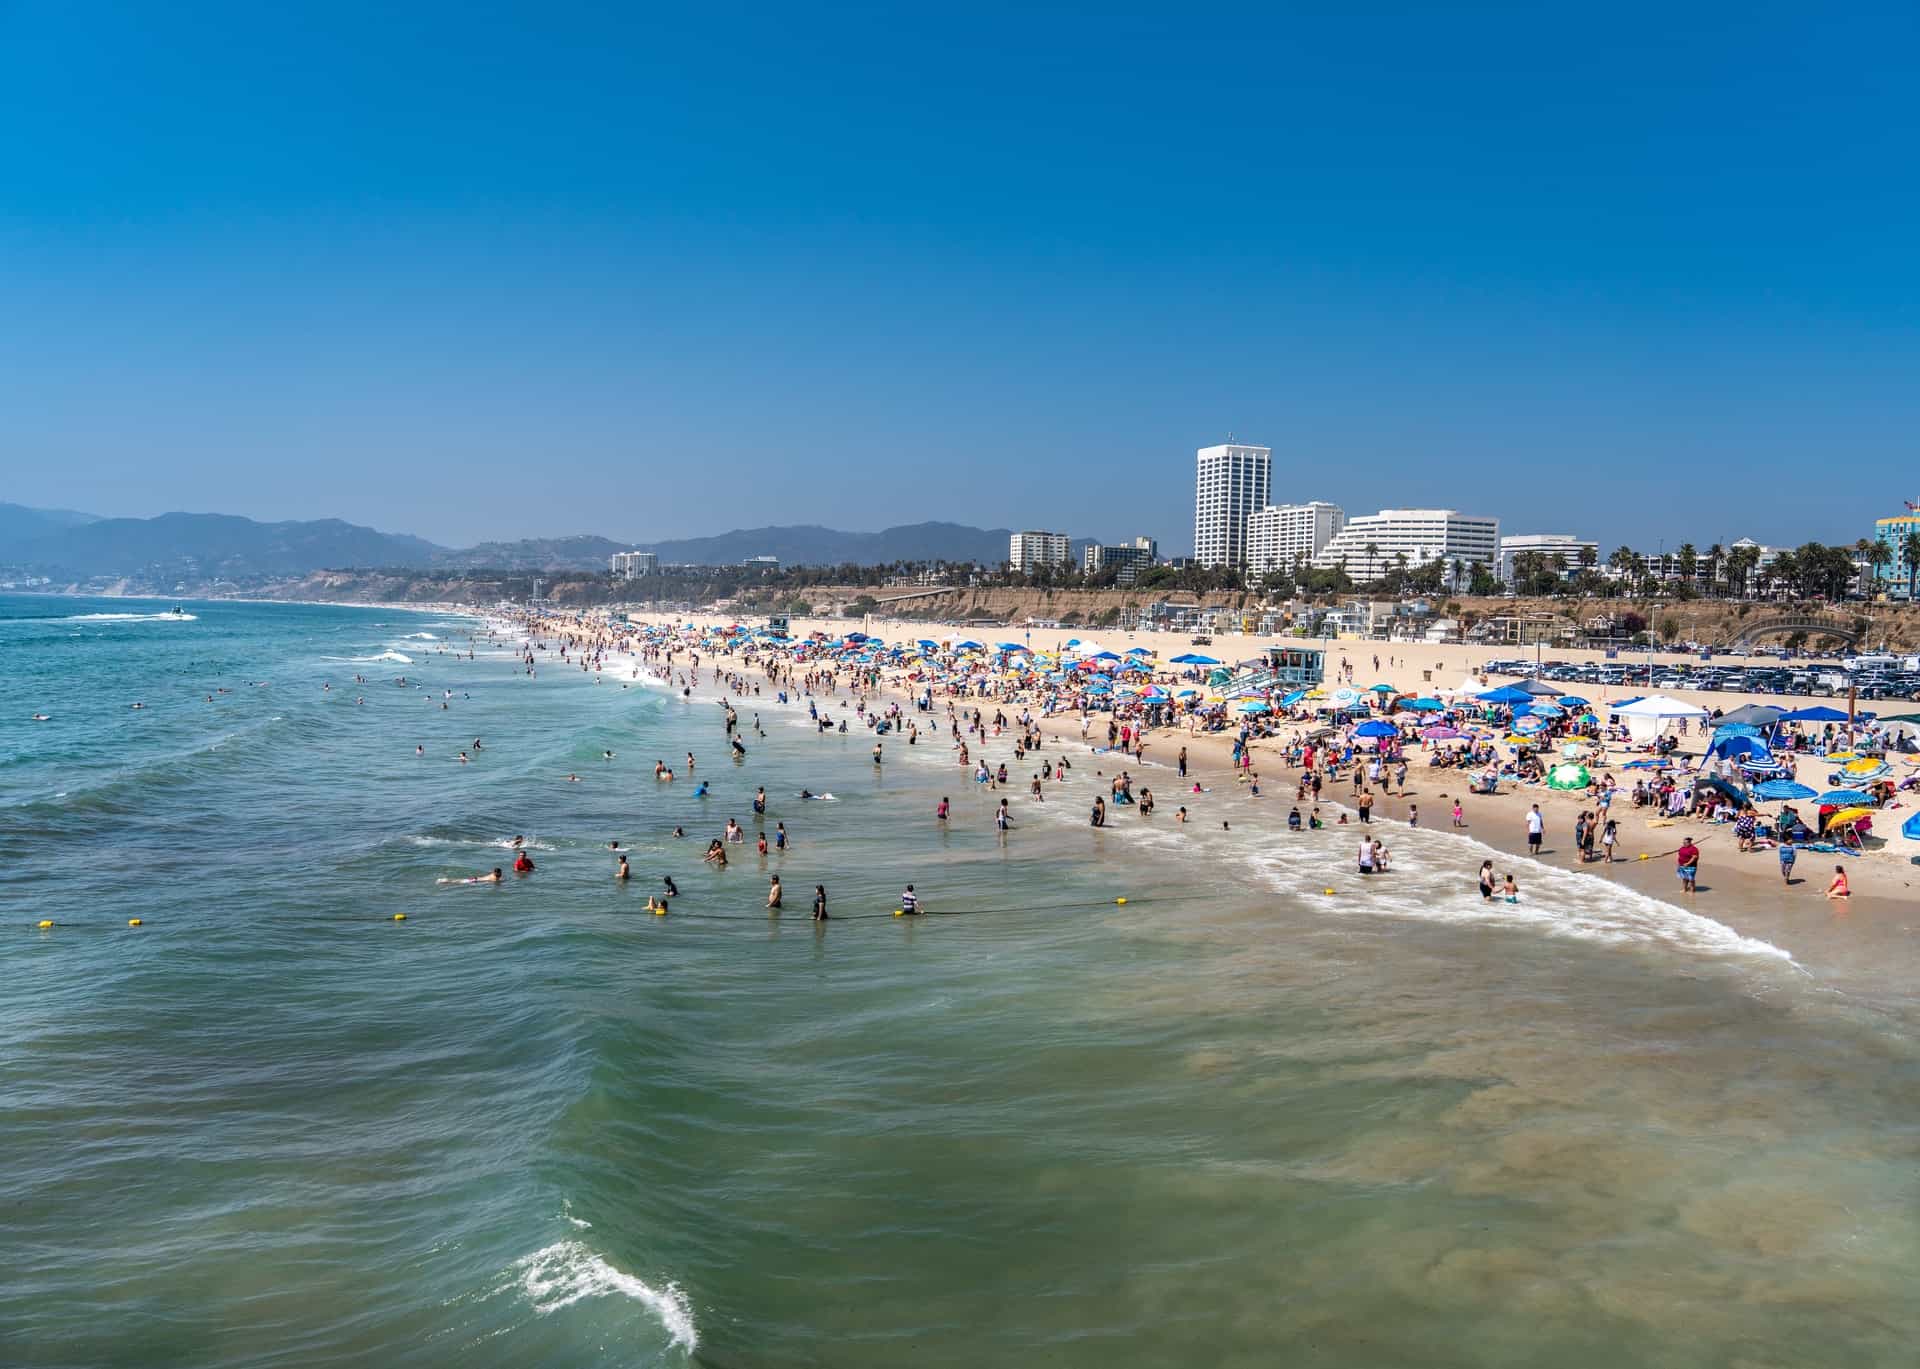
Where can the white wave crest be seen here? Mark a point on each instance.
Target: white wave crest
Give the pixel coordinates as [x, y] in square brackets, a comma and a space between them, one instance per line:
[132, 618]
[566, 1272]
[419, 637]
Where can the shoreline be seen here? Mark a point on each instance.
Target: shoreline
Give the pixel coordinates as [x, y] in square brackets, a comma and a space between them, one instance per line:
[1741, 893]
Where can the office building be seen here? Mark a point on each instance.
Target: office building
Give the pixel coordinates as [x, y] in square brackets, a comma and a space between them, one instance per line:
[1281, 535]
[1372, 544]
[1230, 486]
[631, 565]
[1028, 551]
[1549, 545]
[1128, 558]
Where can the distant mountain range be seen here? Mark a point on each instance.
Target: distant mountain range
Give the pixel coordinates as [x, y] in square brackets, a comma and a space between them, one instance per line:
[201, 547]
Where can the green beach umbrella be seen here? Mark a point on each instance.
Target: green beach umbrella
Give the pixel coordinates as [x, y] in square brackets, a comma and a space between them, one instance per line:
[1569, 776]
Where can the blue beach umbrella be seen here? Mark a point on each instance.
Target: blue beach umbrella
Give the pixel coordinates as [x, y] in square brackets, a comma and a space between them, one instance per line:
[1376, 728]
[1426, 706]
[1189, 658]
[1777, 790]
[1527, 726]
[1911, 827]
[1843, 798]
[1572, 701]
[1291, 699]
[1256, 706]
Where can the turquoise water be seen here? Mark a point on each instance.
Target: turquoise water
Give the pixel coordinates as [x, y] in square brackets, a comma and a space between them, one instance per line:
[1231, 1122]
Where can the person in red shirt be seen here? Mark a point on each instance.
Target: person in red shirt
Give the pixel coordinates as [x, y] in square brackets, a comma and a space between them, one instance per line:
[523, 864]
[1687, 862]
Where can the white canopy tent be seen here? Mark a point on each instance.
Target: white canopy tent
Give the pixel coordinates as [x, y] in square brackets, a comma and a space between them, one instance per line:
[1647, 718]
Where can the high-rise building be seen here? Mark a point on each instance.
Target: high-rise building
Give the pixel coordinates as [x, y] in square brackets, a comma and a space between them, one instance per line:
[1130, 558]
[1374, 543]
[631, 565]
[1280, 535]
[1230, 485]
[1550, 545]
[1029, 550]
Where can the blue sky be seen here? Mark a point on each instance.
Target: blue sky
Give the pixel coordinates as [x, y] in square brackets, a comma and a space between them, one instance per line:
[476, 271]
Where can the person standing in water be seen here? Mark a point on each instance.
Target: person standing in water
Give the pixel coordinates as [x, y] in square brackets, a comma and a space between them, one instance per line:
[773, 894]
[820, 903]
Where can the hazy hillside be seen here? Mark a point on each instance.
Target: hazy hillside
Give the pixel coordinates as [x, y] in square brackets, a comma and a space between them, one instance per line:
[186, 548]
[811, 545]
[19, 524]
[196, 545]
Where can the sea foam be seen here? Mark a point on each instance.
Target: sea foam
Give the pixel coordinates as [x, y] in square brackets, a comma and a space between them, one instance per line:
[567, 1271]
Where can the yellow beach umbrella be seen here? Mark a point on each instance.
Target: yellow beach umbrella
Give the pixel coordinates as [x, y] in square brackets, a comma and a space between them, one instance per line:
[1846, 817]
[1842, 756]
[1864, 766]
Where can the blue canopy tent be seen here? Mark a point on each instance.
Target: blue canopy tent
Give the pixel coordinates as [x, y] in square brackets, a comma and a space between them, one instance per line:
[1749, 750]
[1425, 706]
[1506, 694]
[1818, 714]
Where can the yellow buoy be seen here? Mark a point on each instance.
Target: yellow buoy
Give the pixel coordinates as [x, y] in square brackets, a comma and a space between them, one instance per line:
[899, 912]
[659, 912]
[1119, 900]
[45, 923]
[1326, 891]
[399, 917]
[133, 922]
[1645, 856]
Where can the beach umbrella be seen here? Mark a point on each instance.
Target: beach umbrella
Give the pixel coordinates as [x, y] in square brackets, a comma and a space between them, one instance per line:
[1344, 696]
[967, 646]
[1814, 715]
[1546, 710]
[1773, 791]
[1425, 706]
[1569, 776]
[1382, 689]
[1911, 827]
[1844, 798]
[1528, 726]
[1188, 694]
[1442, 734]
[1846, 817]
[1138, 651]
[1256, 706]
[1376, 728]
[1866, 766]
[1291, 699]
[1189, 658]
[1572, 701]
[1008, 646]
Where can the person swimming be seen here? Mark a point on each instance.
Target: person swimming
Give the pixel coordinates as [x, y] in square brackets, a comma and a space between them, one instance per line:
[701, 792]
[523, 864]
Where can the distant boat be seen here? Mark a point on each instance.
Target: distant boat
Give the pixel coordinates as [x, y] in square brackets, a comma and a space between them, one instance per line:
[177, 611]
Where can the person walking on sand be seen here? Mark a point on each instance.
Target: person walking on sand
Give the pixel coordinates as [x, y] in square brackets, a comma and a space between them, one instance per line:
[1536, 829]
[1687, 865]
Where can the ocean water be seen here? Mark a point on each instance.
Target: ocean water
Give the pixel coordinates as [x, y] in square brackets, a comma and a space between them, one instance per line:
[1233, 1121]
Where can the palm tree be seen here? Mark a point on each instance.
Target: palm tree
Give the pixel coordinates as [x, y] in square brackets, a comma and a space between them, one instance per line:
[1910, 550]
[1373, 560]
[1689, 562]
[1625, 562]
[1714, 555]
